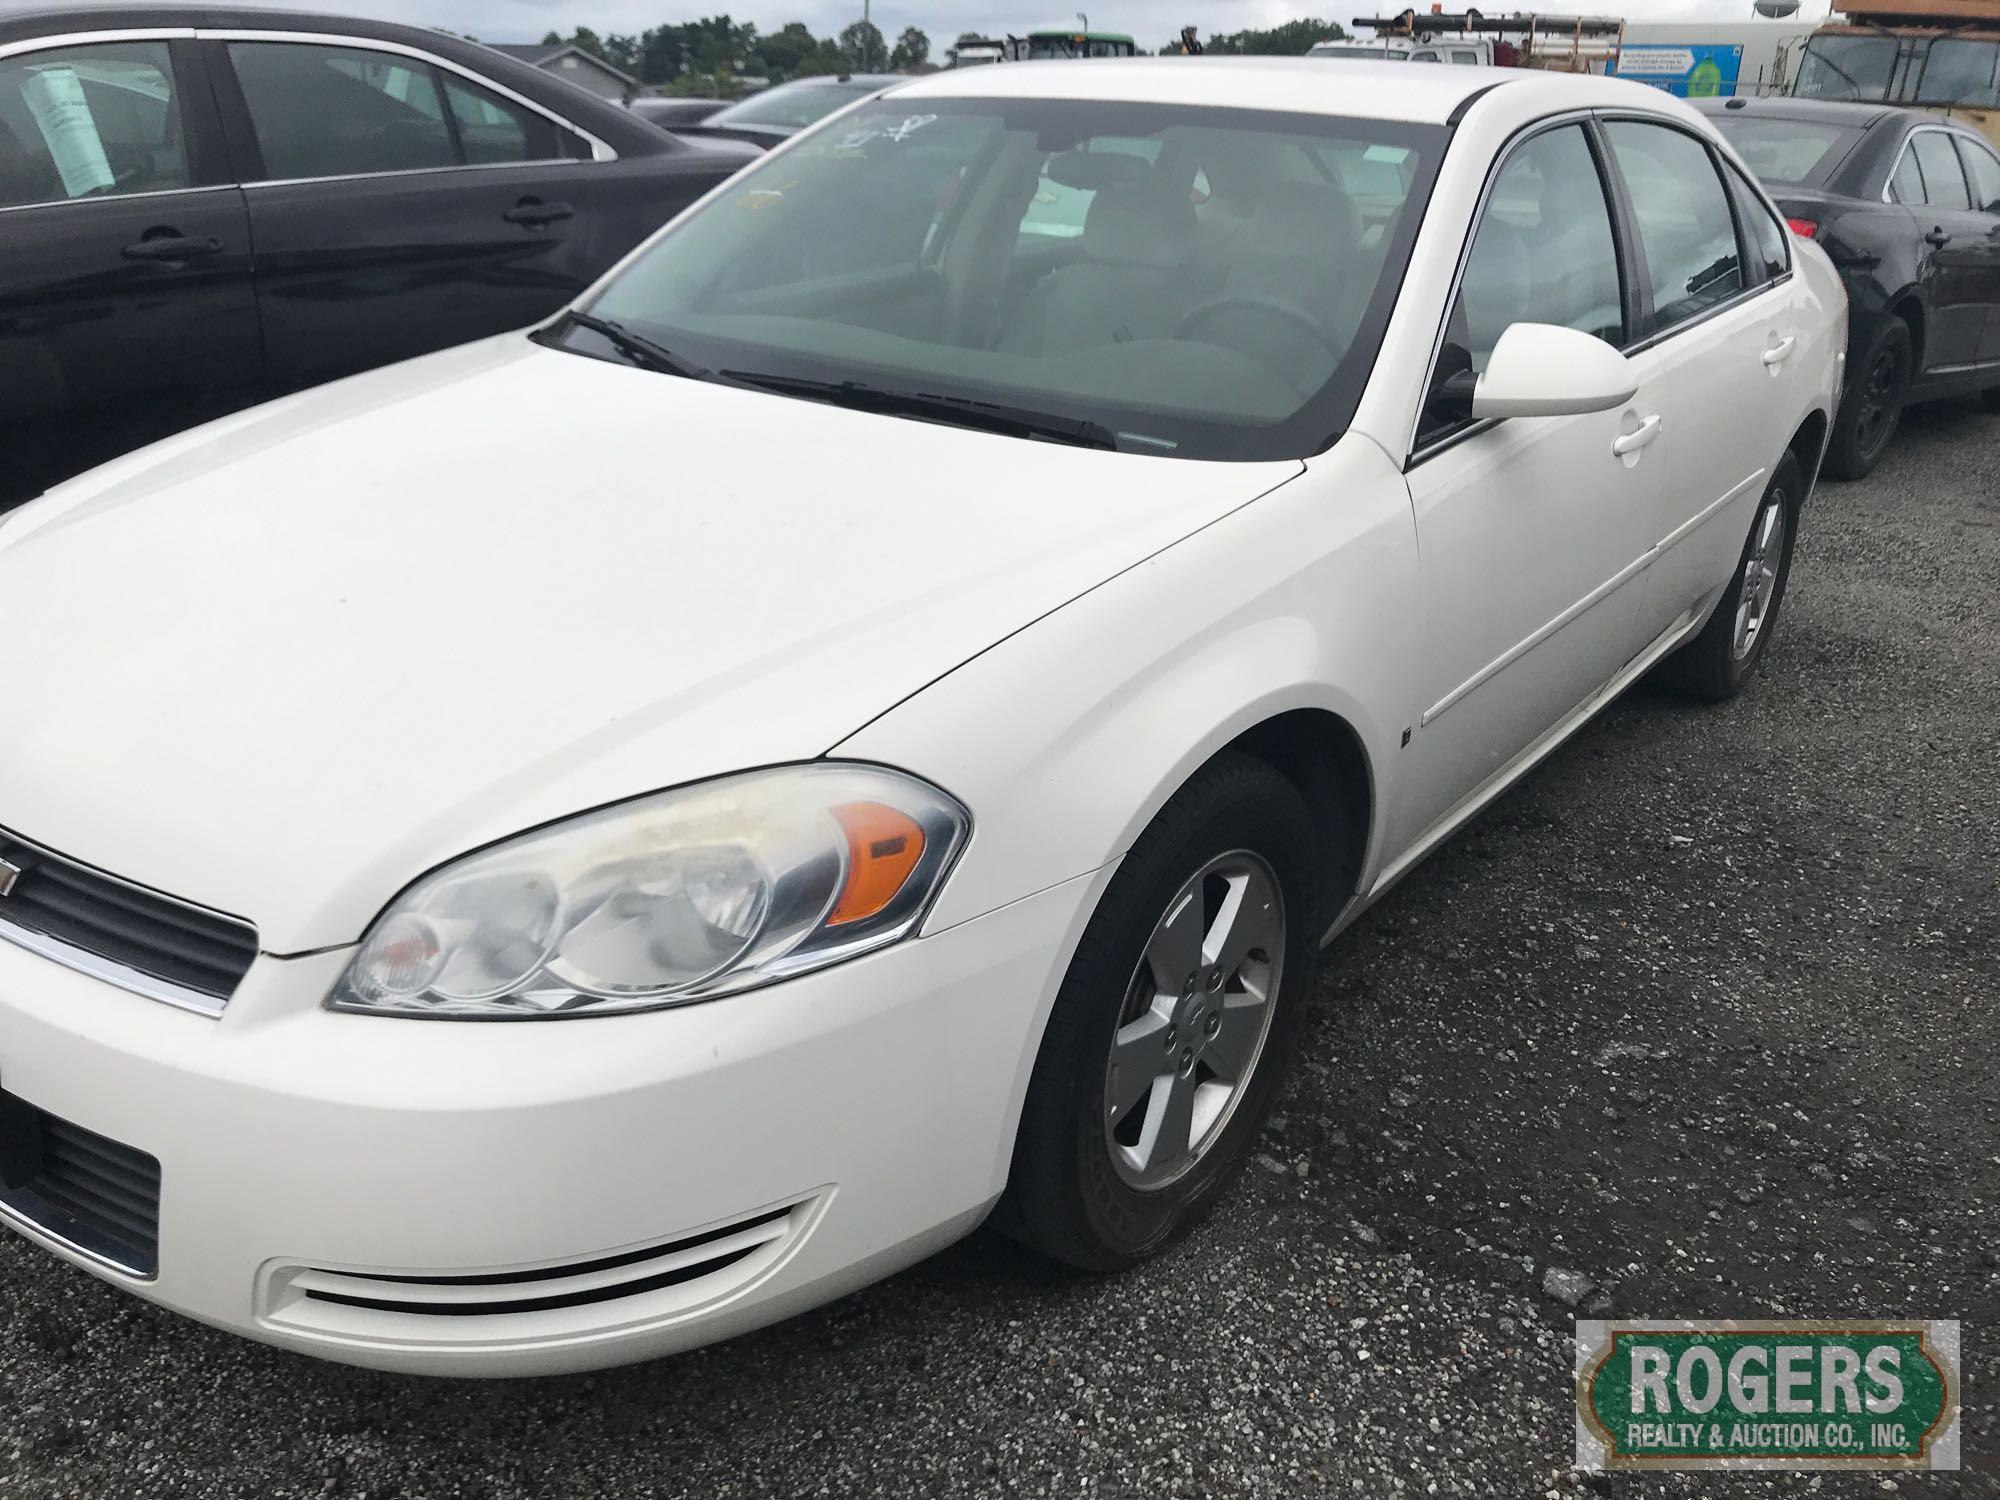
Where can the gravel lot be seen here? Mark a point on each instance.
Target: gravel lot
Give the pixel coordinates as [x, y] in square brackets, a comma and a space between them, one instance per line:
[1705, 1011]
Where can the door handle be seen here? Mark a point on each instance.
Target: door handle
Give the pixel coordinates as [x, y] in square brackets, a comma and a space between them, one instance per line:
[1937, 239]
[173, 247]
[1779, 352]
[1627, 443]
[532, 213]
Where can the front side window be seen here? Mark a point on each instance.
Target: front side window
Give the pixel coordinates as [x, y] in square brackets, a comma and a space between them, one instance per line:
[1685, 226]
[90, 122]
[1224, 297]
[1846, 67]
[341, 111]
[1960, 70]
[1944, 179]
[1543, 253]
[1983, 167]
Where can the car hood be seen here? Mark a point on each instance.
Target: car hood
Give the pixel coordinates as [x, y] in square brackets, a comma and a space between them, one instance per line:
[284, 664]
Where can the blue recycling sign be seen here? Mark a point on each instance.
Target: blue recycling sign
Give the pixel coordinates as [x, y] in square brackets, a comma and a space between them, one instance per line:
[1703, 72]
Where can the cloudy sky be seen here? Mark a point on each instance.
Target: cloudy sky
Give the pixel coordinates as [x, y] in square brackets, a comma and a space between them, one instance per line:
[1151, 21]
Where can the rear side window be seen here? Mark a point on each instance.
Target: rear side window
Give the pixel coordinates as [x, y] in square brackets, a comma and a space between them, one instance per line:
[1907, 184]
[1944, 179]
[90, 122]
[340, 111]
[1685, 226]
[493, 129]
[1770, 243]
[1983, 167]
[1543, 253]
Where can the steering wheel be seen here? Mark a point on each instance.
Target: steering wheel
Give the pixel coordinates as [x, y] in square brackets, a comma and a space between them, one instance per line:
[1250, 302]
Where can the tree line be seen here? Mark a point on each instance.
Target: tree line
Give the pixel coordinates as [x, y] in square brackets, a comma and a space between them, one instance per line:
[709, 56]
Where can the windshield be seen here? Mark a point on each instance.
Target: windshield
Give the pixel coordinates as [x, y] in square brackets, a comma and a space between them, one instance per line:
[1787, 151]
[1199, 282]
[792, 106]
[1960, 70]
[1846, 67]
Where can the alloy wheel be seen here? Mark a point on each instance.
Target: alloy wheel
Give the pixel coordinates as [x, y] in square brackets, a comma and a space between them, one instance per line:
[1881, 396]
[1760, 575]
[1196, 1016]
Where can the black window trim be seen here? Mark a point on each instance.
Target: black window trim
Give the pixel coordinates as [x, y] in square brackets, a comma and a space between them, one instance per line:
[200, 130]
[250, 162]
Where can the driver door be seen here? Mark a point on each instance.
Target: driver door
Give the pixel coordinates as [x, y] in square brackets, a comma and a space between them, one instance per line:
[1533, 532]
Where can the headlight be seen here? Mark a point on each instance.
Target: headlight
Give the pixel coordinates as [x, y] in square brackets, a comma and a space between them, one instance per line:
[673, 898]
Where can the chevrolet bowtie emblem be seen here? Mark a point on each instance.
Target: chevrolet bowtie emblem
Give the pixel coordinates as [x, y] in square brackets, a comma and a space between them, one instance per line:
[8, 875]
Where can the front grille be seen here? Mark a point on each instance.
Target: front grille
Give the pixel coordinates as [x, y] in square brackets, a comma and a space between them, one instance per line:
[146, 942]
[90, 1192]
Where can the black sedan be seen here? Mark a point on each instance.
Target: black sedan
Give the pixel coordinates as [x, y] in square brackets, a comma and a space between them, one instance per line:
[201, 208]
[1908, 206]
[778, 114]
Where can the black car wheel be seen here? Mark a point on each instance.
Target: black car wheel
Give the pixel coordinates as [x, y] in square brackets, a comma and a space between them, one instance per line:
[1873, 405]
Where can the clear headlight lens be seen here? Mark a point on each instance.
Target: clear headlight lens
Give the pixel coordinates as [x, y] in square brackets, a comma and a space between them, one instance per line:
[673, 898]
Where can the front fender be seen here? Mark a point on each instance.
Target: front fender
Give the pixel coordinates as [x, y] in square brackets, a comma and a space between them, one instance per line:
[1066, 739]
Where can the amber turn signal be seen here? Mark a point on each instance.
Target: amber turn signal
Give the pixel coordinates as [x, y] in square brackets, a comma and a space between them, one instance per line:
[883, 847]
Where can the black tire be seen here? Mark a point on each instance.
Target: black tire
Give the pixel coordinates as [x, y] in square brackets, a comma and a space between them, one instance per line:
[1710, 667]
[1872, 405]
[1065, 1197]
[1990, 397]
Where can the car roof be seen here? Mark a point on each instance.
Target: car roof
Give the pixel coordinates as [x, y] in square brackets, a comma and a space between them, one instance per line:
[1356, 87]
[1812, 111]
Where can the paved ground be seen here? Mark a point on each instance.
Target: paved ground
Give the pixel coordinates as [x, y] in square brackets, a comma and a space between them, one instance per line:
[1706, 1011]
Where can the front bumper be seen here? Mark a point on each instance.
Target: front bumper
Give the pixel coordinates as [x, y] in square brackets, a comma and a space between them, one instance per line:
[515, 1198]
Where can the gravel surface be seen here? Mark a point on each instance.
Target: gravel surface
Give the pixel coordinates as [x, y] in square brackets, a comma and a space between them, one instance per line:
[1701, 1019]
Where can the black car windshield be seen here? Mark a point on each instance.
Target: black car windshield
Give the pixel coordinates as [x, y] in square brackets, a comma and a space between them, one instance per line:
[1198, 282]
[1846, 67]
[1779, 150]
[791, 106]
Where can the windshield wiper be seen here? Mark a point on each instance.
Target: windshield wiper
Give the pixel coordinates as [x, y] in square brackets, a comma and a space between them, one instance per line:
[958, 411]
[641, 350]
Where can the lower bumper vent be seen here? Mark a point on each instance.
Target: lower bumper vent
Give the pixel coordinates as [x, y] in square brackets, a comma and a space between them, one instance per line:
[76, 1186]
[554, 1301]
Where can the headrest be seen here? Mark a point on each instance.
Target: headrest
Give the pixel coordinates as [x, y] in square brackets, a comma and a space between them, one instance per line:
[1140, 224]
[1305, 219]
[1093, 171]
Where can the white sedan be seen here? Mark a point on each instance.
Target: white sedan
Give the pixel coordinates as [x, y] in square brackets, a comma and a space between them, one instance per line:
[588, 843]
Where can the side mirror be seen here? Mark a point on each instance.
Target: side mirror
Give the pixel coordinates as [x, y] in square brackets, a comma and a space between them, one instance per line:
[1540, 370]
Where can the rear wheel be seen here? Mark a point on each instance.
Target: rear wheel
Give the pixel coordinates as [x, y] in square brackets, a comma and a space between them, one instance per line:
[1873, 405]
[1991, 397]
[1718, 663]
[1174, 1027]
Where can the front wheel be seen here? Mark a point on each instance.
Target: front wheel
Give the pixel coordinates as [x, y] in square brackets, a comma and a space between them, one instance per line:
[1991, 397]
[1174, 1027]
[1719, 662]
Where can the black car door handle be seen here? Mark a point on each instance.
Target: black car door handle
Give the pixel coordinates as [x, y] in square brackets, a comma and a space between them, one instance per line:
[533, 214]
[1937, 239]
[173, 247]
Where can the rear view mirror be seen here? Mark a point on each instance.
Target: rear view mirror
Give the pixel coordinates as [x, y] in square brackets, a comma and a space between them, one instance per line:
[1541, 370]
